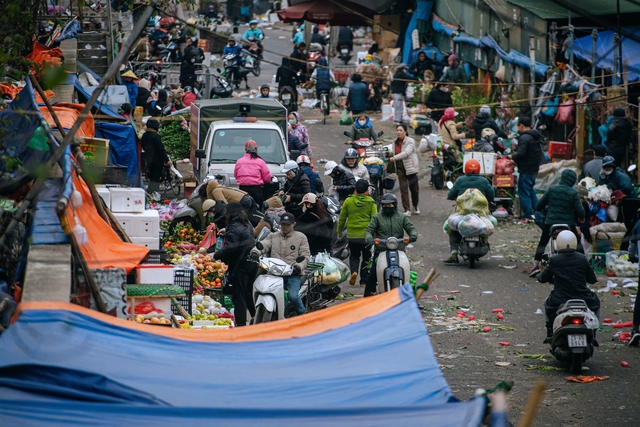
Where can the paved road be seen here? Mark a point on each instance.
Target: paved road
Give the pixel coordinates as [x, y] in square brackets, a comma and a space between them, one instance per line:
[468, 358]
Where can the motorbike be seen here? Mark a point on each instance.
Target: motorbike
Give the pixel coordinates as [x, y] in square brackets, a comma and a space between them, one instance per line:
[234, 71]
[574, 334]
[171, 52]
[445, 168]
[222, 89]
[289, 98]
[316, 51]
[251, 62]
[361, 145]
[393, 268]
[345, 54]
[255, 53]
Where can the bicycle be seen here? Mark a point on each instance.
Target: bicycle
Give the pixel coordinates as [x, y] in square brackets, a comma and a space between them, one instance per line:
[324, 106]
[171, 180]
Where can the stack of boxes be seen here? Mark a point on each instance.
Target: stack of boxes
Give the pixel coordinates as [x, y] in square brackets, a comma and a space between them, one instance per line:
[128, 206]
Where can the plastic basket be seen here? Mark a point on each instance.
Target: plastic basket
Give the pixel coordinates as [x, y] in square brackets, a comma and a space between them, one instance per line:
[155, 256]
[375, 171]
[184, 280]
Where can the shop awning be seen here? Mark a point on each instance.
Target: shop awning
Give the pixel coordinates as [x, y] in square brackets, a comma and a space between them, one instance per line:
[605, 51]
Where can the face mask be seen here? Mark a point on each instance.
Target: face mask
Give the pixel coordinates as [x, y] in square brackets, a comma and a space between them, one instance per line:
[193, 60]
[606, 172]
[293, 121]
[446, 89]
[362, 122]
[388, 211]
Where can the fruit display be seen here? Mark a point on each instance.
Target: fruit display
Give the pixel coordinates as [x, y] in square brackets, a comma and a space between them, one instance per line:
[209, 273]
[147, 312]
[182, 233]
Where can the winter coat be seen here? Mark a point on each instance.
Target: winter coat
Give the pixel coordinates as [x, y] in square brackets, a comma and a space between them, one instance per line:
[357, 97]
[472, 180]
[143, 98]
[363, 132]
[568, 271]
[562, 201]
[633, 240]
[449, 133]
[383, 226]
[529, 154]
[418, 67]
[619, 135]
[618, 180]
[400, 81]
[360, 171]
[224, 194]
[286, 75]
[295, 144]
[357, 212]
[592, 169]
[483, 121]
[438, 100]
[344, 182]
[296, 189]
[455, 75]
[132, 89]
[187, 73]
[318, 232]
[250, 171]
[308, 170]
[483, 146]
[299, 63]
[345, 38]
[302, 133]
[238, 242]
[154, 153]
[409, 156]
[287, 247]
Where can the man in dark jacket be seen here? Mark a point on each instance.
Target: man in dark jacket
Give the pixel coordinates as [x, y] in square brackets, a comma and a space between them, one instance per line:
[155, 155]
[422, 64]
[295, 187]
[614, 177]
[398, 90]
[344, 182]
[358, 94]
[528, 158]
[438, 100]
[484, 120]
[563, 206]
[316, 37]
[304, 163]
[619, 135]
[298, 60]
[286, 75]
[568, 271]
[593, 167]
[345, 38]
[471, 179]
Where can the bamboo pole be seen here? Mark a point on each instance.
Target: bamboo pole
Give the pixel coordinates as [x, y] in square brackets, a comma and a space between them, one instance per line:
[532, 404]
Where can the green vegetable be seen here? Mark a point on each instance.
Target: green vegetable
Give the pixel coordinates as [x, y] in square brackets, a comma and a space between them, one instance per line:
[176, 138]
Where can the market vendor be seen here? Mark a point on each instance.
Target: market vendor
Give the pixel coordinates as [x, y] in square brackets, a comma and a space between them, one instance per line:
[614, 177]
[129, 78]
[155, 155]
[228, 195]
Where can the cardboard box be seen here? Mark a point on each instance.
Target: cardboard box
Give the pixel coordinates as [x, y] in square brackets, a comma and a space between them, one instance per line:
[487, 161]
[96, 150]
[127, 200]
[154, 274]
[152, 243]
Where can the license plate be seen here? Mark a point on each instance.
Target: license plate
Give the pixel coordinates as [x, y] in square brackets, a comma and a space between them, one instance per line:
[286, 96]
[473, 239]
[344, 51]
[577, 340]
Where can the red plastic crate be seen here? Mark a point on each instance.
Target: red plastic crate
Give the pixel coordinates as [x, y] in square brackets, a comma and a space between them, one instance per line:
[504, 181]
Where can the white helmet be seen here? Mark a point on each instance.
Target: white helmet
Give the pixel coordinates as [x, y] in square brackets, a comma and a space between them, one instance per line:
[303, 159]
[290, 166]
[329, 167]
[566, 240]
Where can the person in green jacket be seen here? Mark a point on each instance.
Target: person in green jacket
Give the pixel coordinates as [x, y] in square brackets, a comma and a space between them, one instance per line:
[562, 205]
[388, 223]
[471, 179]
[357, 212]
[362, 129]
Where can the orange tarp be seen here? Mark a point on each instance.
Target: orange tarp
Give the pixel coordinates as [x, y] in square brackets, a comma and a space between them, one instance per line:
[313, 323]
[104, 249]
[67, 114]
[9, 89]
[42, 55]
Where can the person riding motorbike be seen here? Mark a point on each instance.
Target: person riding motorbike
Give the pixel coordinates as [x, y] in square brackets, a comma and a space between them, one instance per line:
[316, 37]
[315, 223]
[345, 38]
[362, 129]
[295, 187]
[238, 243]
[351, 164]
[287, 245]
[388, 223]
[255, 34]
[265, 90]
[568, 271]
[484, 120]
[471, 179]
[304, 163]
[489, 142]
[344, 184]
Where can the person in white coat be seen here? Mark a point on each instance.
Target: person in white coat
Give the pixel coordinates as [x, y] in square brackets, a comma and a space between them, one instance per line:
[351, 164]
[406, 160]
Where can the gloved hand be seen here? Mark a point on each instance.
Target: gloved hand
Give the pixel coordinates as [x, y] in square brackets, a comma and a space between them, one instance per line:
[256, 252]
[633, 258]
[412, 239]
[297, 270]
[368, 241]
[222, 232]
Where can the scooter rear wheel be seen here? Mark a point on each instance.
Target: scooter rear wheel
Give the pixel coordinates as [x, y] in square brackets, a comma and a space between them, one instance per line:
[438, 181]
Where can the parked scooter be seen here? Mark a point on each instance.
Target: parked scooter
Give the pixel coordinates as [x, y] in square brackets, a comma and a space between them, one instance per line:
[234, 71]
[171, 53]
[574, 334]
[445, 168]
[345, 54]
[222, 89]
[393, 266]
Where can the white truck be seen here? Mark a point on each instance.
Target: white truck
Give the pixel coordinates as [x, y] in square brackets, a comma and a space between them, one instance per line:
[220, 128]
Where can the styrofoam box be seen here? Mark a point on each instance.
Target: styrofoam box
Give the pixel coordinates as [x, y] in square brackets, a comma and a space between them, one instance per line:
[145, 224]
[125, 220]
[154, 274]
[487, 161]
[149, 242]
[127, 199]
[105, 194]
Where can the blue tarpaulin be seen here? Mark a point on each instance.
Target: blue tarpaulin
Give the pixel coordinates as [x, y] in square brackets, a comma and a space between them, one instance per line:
[72, 79]
[605, 51]
[363, 363]
[123, 148]
[423, 13]
[70, 31]
[514, 57]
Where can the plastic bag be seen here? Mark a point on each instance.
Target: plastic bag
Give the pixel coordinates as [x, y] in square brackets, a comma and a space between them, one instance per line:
[472, 201]
[504, 166]
[424, 145]
[489, 228]
[345, 118]
[472, 225]
[454, 220]
[564, 116]
[501, 213]
[334, 271]
[209, 238]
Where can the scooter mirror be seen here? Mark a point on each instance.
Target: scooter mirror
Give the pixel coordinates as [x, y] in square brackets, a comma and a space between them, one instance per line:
[449, 185]
[346, 133]
[218, 70]
[259, 246]
[380, 133]
[631, 168]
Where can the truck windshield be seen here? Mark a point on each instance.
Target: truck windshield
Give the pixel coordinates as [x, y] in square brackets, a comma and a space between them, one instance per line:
[228, 145]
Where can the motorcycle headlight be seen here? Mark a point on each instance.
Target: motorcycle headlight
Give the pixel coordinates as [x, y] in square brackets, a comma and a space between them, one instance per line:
[392, 243]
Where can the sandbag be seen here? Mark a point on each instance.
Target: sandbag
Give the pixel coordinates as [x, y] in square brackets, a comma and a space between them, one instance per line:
[472, 201]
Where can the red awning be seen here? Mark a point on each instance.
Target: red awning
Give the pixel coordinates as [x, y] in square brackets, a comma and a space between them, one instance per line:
[323, 11]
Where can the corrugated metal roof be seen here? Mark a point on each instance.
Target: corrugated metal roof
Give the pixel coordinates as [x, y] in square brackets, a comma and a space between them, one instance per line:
[547, 9]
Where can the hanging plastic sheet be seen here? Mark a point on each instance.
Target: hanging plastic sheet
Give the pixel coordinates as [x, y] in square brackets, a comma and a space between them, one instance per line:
[123, 148]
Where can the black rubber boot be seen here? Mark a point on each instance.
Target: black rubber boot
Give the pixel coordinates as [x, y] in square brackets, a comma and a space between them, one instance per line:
[453, 259]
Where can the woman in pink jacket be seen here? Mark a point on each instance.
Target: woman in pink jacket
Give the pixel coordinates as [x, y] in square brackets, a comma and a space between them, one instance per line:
[251, 172]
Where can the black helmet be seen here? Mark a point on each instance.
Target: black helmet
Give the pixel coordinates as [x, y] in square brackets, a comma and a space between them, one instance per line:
[351, 153]
[388, 199]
